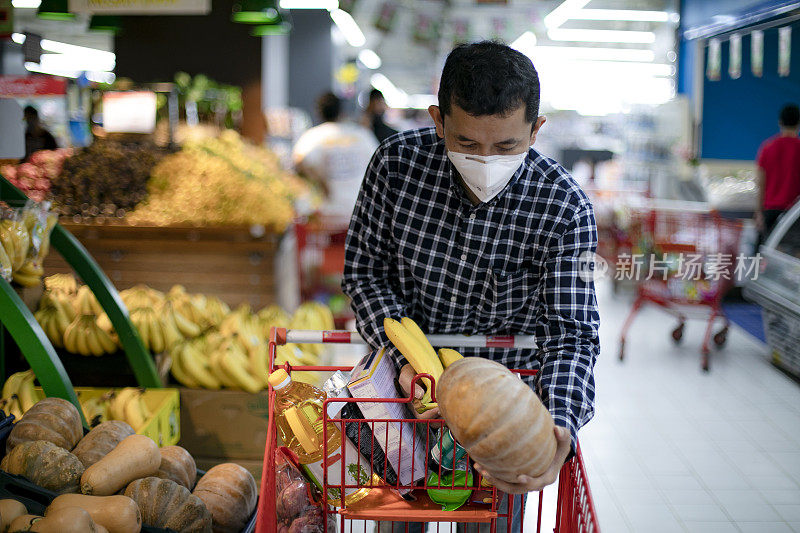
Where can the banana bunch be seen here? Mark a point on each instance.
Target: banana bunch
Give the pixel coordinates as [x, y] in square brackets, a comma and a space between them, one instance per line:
[54, 315]
[128, 405]
[226, 365]
[312, 315]
[85, 302]
[18, 394]
[29, 274]
[15, 241]
[273, 316]
[192, 307]
[64, 284]
[83, 335]
[413, 344]
[95, 410]
[150, 327]
[449, 356]
[216, 310]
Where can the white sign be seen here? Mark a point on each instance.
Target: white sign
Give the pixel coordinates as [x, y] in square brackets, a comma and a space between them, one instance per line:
[129, 112]
[784, 50]
[757, 52]
[735, 56]
[141, 7]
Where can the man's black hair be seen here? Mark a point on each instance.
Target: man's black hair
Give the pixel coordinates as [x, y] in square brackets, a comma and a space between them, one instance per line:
[374, 94]
[489, 78]
[30, 112]
[790, 116]
[329, 107]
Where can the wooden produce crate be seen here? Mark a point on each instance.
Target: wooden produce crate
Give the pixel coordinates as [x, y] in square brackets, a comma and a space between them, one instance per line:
[235, 264]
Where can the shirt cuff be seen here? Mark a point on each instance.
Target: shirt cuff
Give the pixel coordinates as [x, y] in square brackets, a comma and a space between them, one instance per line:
[562, 418]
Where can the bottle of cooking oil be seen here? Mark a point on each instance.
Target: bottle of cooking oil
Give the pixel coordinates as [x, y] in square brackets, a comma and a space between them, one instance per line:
[298, 410]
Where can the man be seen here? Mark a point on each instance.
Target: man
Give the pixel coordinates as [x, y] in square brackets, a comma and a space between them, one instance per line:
[373, 117]
[36, 136]
[778, 172]
[466, 229]
[335, 154]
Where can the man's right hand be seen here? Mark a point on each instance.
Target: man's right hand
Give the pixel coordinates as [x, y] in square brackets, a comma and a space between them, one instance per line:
[407, 373]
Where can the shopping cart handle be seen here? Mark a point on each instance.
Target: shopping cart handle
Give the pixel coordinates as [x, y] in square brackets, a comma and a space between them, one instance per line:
[305, 336]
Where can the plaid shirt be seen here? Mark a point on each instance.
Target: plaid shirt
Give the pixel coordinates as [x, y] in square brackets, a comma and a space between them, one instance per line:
[418, 247]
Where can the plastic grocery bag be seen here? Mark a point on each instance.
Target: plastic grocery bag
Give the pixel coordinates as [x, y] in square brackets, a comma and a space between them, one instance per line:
[298, 503]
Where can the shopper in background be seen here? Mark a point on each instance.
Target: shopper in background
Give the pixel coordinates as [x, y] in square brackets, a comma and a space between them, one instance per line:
[36, 136]
[373, 117]
[467, 229]
[778, 172]
[335, 154]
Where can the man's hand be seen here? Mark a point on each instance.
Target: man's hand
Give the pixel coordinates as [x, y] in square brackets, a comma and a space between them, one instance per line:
[527, 484]
[407, 373]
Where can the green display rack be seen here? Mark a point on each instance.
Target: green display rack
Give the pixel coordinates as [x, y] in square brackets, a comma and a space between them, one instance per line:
[29, 336]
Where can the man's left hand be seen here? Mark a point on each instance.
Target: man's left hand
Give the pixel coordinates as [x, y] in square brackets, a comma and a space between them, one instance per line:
[527, 484]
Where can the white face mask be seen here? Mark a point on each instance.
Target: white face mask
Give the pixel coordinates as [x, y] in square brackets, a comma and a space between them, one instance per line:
[486, 176]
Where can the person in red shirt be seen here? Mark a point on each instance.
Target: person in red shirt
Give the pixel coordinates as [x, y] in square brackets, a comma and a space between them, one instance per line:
[778, 172]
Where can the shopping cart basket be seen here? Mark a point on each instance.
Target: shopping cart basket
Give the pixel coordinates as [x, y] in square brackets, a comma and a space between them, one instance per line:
[686, 265]
[575, 511]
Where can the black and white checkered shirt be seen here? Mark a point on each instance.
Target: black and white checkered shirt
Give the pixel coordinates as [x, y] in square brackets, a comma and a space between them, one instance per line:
[418, 247]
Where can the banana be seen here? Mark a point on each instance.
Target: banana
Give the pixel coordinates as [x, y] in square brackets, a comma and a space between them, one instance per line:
[448, 356]
[418, 334]
[31, 268]
[82, 341]
[178, 372]
[258, 357]
[139, 319]
[26, 393]
[8, 241]
[63, 283]
[134, 413]
[25, 280]
[415, 353]
[215, 362]
[235, 367]
[14, 408]
[92, 340]
[11, 386]
[22, 243]
[157, 343]
[116, 407]
[197, 368]
[186, 327]
[172, 335]
[106, 341]
[62, 303]
[95, 411]
[70, 341]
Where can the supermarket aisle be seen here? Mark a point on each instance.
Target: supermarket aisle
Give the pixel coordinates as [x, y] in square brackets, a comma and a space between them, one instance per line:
[674, 449]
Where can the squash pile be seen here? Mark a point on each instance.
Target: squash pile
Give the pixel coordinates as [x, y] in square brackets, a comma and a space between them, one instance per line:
[113, 480]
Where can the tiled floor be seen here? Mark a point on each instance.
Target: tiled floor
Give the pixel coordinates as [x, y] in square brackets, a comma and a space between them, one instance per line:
[672, 448]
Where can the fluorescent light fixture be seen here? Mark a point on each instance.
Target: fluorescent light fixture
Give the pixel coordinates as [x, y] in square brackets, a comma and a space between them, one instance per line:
[369, 59]
[601, 36]
[525, 43]
[26, 4]
[620, 15]
[563, 13]
[70, 49]
[330, 5]
[421, 101]
[100, 77]
[349, 27]
[618, 68]
[595, 54]
[394, 97]
[67, 62]
[18, 38]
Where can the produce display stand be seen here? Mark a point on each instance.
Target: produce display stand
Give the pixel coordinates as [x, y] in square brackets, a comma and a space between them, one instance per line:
[31, 339]
[575, 510]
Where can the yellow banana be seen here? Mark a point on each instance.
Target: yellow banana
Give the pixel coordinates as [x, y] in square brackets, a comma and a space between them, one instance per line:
[142, 325]
[116, 407]
[186, 327]
[22, 243]
[197, 367]
[92, 341]
[11, 386]
[418, 334]
[7, 240]
[134, 414]
[95, 411]
[235, 367]
[172, 335]
[258, 357]
[26, 280]
[219, 371]
[6, 263]
[31, 268]
[14, 408]
[448, 356]
[106, 342]
[70, 341]
[26, 394]
[81, 337]
[156, 334]
[414, 352]
[178, 372]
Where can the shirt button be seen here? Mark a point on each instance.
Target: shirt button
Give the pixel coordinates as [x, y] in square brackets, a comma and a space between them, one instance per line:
[453, 299]
[472, 216]
[463, 257]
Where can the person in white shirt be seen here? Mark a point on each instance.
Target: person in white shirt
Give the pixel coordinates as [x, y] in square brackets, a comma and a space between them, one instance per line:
[335, 154]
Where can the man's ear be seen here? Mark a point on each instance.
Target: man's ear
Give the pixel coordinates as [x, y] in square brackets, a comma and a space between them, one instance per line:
[438, 119]
[536, 125]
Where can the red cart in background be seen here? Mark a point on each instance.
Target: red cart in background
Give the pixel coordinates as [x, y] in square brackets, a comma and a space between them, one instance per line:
[689, 259]
[574, 508]
[320, 260]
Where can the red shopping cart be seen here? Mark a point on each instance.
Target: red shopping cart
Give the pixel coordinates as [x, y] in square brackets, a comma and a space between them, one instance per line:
[575, 512]
[683, 258]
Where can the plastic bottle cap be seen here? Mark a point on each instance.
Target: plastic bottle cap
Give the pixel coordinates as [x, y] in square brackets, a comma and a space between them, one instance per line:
[279, 379]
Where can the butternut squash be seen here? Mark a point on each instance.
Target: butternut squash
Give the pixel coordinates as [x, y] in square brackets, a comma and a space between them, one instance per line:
[100, 440]
[134, 458]
[117, 514]
[229, 491]
[65, 520]
[23, 523]
[10, 510]
[178, 465]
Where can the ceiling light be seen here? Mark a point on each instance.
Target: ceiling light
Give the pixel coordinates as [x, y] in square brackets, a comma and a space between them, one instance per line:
[330, 5]
[601, 36]
[255, 12]
[597, 54]
[100, 77]
[26, 4]
[349, 27]
[369, 59]
[70, 49]
[563, 12]
[394, 97]
[18, 38]
[620, 15]
[55, 10]
[64, 62]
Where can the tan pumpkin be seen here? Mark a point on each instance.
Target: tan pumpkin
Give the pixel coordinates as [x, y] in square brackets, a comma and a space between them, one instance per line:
[163, 503]
[101, 440]
[46, 465]
[65, 520]
[497, 418]
[230, 493]
[178, 465]
[52, 419]
[118, 514]
[10, 510]
[23, 523]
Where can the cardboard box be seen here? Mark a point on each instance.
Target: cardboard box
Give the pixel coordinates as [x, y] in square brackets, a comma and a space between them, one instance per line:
[374, 377]
[227, 424]
[254, 467]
